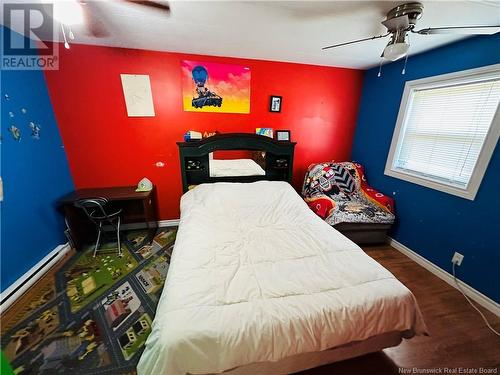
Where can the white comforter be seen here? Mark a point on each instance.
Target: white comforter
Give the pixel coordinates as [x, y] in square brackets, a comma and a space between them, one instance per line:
[234, 167]
[257, 276]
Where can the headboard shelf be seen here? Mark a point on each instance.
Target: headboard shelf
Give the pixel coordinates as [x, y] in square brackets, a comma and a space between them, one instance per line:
[194, 158]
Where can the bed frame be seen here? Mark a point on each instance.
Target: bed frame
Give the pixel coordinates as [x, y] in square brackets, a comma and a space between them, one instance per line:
[194, 158]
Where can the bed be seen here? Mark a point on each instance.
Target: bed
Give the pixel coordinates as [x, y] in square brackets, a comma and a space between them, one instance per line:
[234, 167]
[258, 283]
[275, 159]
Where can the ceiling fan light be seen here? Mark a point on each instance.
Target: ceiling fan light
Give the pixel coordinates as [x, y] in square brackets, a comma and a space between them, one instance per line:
[395, 51]
[68, 12]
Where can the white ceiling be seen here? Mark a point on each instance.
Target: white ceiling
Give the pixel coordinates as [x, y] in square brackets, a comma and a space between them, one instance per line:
[278, 30]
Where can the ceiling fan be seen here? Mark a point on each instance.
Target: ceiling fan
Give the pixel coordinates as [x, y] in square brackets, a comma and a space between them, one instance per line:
[401, 21]
[93, 19]
[90, 13]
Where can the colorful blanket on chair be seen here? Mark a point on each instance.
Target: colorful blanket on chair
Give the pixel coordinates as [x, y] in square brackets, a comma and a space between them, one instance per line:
[339, 193]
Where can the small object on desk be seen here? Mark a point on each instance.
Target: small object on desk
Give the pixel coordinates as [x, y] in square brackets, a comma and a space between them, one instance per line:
[192, 136]
[144, 185]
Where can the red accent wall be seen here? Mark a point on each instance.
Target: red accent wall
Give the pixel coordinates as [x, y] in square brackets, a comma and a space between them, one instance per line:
[107, 148]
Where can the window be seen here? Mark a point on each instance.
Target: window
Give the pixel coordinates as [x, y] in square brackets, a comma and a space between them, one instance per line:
[446, 131]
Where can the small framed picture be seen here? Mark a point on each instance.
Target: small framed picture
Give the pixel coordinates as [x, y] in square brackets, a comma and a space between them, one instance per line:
[275, 103]
[283, 135]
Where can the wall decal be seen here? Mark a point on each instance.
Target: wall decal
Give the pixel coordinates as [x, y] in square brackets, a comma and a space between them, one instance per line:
[213, 87]
[35, 130]
[138, 96]
[16, 132]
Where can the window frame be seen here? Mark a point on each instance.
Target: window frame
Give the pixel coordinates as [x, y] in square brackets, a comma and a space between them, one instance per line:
[490, 142]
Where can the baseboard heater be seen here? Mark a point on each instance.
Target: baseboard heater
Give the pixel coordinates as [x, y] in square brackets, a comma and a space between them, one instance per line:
[21, 285]
[9, 295]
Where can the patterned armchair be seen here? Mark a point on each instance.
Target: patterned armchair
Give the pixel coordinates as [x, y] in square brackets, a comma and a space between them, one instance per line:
[340, 194]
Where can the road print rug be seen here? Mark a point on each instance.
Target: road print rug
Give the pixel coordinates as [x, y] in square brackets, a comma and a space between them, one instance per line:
[95, 315]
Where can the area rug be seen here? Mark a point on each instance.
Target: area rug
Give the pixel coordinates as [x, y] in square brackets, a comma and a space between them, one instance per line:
[95, 314]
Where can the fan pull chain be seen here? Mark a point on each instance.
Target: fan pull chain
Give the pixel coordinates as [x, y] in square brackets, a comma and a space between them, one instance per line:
[404, 66]
[66, 44]
[403, 72]
[380, 68]
[71, 35]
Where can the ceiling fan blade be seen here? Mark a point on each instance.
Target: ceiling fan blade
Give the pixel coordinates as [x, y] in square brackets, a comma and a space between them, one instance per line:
[160, 5]
[478, 30]
[397, 23]
[355, 41]
[92, 19]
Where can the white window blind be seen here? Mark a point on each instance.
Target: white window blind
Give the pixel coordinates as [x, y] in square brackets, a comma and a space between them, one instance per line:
[444, 130]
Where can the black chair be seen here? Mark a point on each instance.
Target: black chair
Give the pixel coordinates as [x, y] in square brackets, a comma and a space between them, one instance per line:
[94, 209]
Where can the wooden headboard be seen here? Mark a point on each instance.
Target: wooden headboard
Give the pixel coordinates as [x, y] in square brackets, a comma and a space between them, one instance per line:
[194, 158]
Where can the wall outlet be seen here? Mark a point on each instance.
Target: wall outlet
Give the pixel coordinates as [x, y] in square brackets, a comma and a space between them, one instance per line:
[457, 258]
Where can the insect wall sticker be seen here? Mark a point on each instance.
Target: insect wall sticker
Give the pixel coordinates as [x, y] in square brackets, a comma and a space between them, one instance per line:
[35, 130]
[16, 132]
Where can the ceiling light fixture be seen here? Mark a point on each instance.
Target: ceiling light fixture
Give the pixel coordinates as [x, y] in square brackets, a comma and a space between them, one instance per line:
[400, 23]
[397, 47]
[395, 51]
[68, 13]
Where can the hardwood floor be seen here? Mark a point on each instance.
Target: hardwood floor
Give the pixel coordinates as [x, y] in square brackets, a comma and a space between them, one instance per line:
[458, 336]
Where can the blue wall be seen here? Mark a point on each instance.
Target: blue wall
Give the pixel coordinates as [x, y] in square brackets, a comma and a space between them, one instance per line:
[430, 222]
[35, 174]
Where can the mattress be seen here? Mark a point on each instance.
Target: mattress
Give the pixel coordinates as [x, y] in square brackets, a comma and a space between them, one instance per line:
[256, 276]
[234, 167]
[306, 361]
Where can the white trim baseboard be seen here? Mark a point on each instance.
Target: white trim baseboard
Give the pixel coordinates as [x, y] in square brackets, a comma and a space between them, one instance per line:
[21, 285]
[475, 295]
[161, 224]
[168, 223]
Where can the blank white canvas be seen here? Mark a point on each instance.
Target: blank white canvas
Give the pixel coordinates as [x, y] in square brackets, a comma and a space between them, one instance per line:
[138, 96]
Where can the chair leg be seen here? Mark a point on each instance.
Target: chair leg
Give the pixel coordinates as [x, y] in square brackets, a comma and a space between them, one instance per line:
[118, 236]
[98, 238]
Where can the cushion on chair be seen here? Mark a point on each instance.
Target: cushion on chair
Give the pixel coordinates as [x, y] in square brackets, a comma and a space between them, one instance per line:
[339, 193]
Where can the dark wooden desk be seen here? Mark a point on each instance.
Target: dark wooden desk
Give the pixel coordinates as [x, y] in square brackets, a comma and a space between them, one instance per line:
[137, 207]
